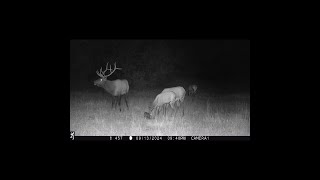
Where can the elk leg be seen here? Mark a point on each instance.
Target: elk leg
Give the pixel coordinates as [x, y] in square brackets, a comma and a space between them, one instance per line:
[182, 109]
[120, 102]
[158, 108]
[115, 102]
[174, 109]
[112, 102]
[167, 109]
[157, 111]
[125, 98]
[177, 109]
[163, 109]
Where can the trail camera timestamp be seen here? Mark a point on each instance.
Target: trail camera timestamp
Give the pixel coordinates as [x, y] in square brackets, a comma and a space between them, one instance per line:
[151, 138]
[177, 138]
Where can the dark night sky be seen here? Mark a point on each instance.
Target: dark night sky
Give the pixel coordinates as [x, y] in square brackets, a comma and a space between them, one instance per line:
[216, 61]
[219, 57]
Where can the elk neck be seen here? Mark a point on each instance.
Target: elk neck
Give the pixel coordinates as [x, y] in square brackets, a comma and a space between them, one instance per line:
[155, 102]
[109, 86]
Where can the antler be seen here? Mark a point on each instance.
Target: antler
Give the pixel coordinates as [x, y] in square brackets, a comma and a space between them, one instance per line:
[102, 73]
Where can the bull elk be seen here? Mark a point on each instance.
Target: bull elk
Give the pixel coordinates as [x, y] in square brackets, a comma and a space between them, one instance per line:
[180, 94]
[116, 88]
[161, 101]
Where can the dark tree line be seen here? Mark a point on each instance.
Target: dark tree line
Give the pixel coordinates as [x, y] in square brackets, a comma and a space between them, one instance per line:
[151, 63]
[143, 62]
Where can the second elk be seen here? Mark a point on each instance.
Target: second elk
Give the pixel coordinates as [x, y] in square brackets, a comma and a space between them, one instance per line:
[192, 90]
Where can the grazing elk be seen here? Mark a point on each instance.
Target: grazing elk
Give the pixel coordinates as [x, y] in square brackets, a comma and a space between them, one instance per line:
[161, 101]
[180, 94]
[116, 88]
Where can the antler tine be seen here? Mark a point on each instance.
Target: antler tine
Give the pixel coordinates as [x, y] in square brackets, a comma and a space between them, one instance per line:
[112, 71]
[103, 72]
[115, 66]
[99, 73]
[107, 65]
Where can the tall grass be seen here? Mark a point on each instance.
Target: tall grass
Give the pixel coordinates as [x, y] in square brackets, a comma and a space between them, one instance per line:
[206, 115]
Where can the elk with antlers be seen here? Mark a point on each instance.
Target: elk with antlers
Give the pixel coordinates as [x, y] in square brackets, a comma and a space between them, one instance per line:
[116, 88]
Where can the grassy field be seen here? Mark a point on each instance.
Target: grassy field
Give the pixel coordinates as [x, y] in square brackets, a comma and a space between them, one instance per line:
[207, 115]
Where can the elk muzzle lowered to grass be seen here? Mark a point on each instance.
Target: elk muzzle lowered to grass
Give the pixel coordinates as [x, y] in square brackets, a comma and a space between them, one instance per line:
[147, 115]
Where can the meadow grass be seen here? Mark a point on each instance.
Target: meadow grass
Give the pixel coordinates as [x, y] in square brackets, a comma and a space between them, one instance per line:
[206, 115]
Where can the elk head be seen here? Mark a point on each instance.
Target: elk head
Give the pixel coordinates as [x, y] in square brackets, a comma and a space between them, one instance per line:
[103, 78]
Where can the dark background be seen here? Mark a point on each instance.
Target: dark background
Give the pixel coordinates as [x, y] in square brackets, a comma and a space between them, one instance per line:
[220, 64]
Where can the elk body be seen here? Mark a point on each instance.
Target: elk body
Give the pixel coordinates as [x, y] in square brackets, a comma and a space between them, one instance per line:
[116, 88]
[180, 94]
[161, 101]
